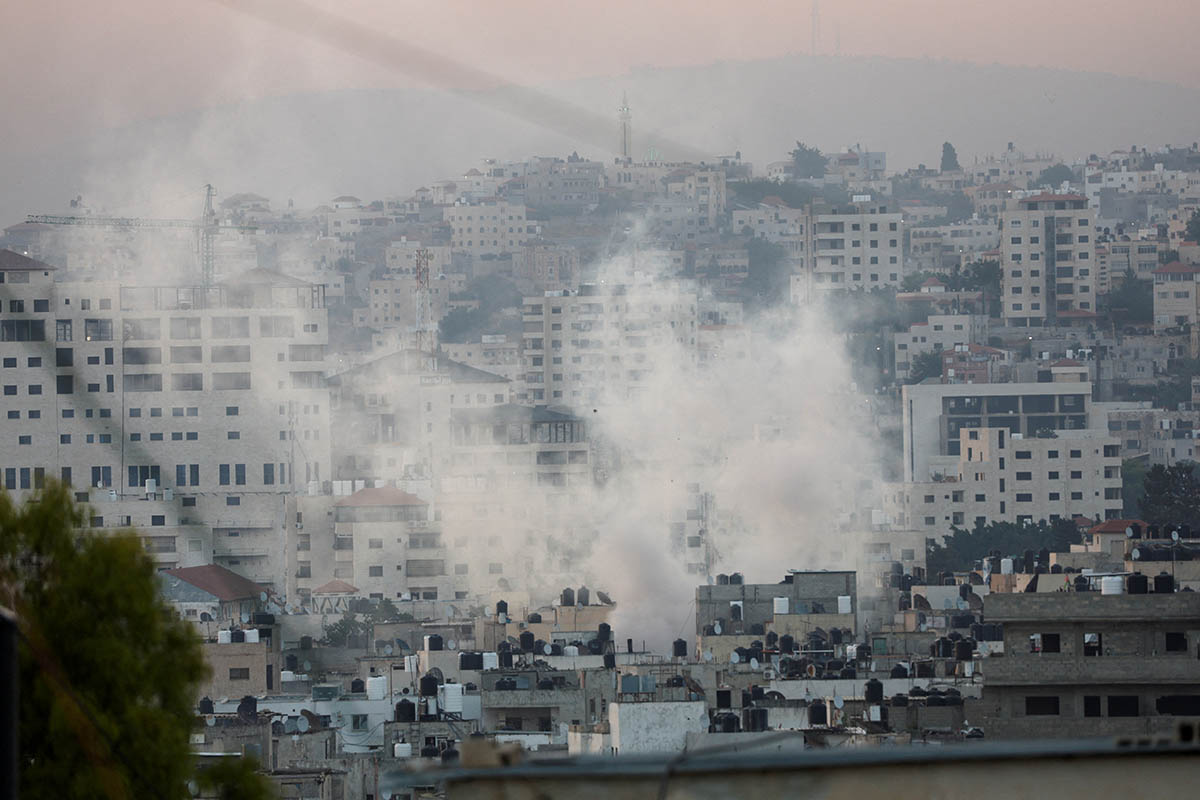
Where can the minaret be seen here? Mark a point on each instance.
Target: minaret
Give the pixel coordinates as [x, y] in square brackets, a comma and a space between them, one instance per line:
[626, 128]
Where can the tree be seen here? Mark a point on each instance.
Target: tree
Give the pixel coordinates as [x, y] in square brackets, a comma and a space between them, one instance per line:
[385, 611]
[808, 162]
[925, 365]
[346, 630]
[1171, 494]
[949, 158]
[1133, 476]
[108, 674]
[963, 548]
[1053, 176]
[1191, 233]
[767, 279]
[1133, 301]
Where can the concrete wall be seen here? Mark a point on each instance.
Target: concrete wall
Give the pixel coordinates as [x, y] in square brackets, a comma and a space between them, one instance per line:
[655, 727]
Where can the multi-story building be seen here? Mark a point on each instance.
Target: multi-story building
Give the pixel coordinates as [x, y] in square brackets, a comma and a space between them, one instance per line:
[1047, 260]
[545, 267]
[1122, 256]
[1009, 478]
[705, 188]
[604, 341]
[496, 353]
[933, 415]
[1082, 664]
[1176, 295]
[939, 332]
[489, 227]
[554, 185]
[856, 246]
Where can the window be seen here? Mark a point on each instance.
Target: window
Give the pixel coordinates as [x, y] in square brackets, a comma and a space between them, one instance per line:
[233, 501]
[231, 380]
[64, 357]
[375, 544]
[187, 382]
[187, 355]
[62, 330]
[375, 571]
[97, 330]
[268, 474]
[358, 722]
[1091, 705]
[1023, 455]
[221, 355]
[185, 327]
[239, 474]
[143, 382]
[64, 384]
[1123, 705]
[223, 474]
[1041, 706]
[1176, 642]
[231, 328]
[231, 411]
[1044, 643]
[239, 673]
[1093, 644]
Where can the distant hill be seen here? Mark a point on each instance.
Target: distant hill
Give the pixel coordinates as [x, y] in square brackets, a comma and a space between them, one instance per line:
[374, 143]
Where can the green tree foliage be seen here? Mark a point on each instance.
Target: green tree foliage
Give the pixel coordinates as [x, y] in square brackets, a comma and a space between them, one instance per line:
[1133, 301]
[385, 611]
[108, 673]
[963, 548]
[495, 294]
[1053, 176]
[234, 779]
[1192, 232]
[1133, 476]
[343, 632]
[1171, 494]
[794, 195]
[949, 158]
[766, 283]
[808, 161]
[925, 365]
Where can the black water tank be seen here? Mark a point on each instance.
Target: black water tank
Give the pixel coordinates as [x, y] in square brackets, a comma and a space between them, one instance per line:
[680, 649]
[527, 639]
[736, 579]
[863, 652]
[582, 596]
[406, 711]
[834, 664]
[964, 591]
[449, 755]
[291, 662]
[899, 671]
[430, 751]
[206, 705]
[604, 631]
[358, 686]
[963, 649]
[772, 639]
[835, 636]
[1164, 583]
[568, 597]
[306, 643]
[435, 642]
[534, 618]
[722, 579]
[595, 646]
[724, 698]
[756, 719]
[848, 673]
[729, 723]
[899, 700]
[817, 713]
[545, 683]
[735, 613]
[1138, 583]
[610, 660]
[429, 686]
[874, 691]
[501, 608]
[248, 707]
[1082, 584]
[757, 693]
[262, 618]
[787, 644]
[506, 659]
[556, 649]
[237, 636]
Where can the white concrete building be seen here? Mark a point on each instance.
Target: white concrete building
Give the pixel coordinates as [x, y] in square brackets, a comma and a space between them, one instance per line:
[1047, 257]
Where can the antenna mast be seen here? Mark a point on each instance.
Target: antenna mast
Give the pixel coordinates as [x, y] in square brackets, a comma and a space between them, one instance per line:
[207, 230]
[426, 340]
[626, 128]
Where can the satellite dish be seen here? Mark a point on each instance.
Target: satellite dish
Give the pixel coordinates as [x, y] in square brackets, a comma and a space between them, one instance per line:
[1136, 553]
[838, 702]
[547, 649]
[1174, 536]
[983, 648]
[717, 628]
[193, 788]
[710, 580]
[963, 604]
[302, 724]
[262, 597]
[307, 666]
[388, 650]
[734, 658]
[1129, 532]
[451, 644]
[245, 617]
[210, 720]
[708, 656]
[754, 663]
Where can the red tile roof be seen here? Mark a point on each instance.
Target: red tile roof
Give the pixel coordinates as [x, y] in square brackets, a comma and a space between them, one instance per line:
[222, 583]
[1051, 196]
[1066, 362]
[382, 496]
[335, 586]
[19, 263]
[1176, 267]
[1116, 525]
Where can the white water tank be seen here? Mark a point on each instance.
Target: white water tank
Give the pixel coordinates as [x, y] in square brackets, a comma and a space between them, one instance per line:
[224, 637]
[1006, 566]
[781, 605]
[151, 486]
[568, 650]
[377, 687]
[251, 635]
[844, 606]
[1112, 584]
[402, 750]
[451, 697]
[492, 660]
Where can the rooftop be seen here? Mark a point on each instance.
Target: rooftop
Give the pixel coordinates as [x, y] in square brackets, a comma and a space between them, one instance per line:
[222, 583]
[381, 496]
[509, 412]
[15, 262]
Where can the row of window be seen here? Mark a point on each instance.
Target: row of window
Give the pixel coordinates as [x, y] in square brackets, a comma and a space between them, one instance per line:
[1118, 705]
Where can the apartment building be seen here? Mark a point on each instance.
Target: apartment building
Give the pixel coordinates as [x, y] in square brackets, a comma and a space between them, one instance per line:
[394, 302]
[776, 222]
[489, 227]
[856, 246]
[942, 247]
[555, 185]
[937, 333]
[705, 188]
[1117, 258]
[933, 415]
[1176, 295]
[1091, 664]
[134, 387]
[1047, 261]
[401, 257]
[545, 267]
[603, 342]
[496, 353]
[1003, 477]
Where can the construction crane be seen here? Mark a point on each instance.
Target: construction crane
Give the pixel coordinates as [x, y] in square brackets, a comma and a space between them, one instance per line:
[206, 228]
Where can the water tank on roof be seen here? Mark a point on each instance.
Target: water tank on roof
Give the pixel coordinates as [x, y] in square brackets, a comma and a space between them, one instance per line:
[817, 713]
[756, 719]
[306, 642]
[534, 618]
[873, 692]
[964, 649]
[1006, 566]
[206, 705]
[251, 635]
[568, 597]
[582, 596]
[680, 648]
[248, 707]
[527, 641]
[603, 631]
[787, 643]
[430, 751]
[238, 636]
[835, 636]
[428, 686]
[1164, 583]
[722, 579]
[506, 659]
[728, 722]
[1112, 584]
[1138, 584]
[406, 711]
[224, 637]
[735, 579]
[501, 608]
[358, 686]
[610, 660]
[781, 605]
[724, 698]
[899, 671]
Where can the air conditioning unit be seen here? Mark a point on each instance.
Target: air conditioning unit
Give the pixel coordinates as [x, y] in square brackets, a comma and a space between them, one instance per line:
[769, 675]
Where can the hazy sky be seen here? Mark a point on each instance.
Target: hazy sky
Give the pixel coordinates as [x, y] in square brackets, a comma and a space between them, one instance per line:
[67, 66]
